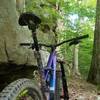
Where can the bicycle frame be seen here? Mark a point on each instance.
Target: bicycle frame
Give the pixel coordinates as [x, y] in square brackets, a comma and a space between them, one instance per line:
[50, 74]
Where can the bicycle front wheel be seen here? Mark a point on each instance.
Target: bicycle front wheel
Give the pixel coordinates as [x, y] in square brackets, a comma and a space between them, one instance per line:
[21, 89]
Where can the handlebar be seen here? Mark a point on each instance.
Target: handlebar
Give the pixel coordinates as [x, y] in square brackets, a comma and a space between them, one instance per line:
[72, 41]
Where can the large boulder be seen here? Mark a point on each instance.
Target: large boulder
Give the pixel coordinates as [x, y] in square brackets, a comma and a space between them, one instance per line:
[11, 34]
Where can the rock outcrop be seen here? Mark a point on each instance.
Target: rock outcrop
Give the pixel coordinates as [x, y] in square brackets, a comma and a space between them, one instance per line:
[11, 35]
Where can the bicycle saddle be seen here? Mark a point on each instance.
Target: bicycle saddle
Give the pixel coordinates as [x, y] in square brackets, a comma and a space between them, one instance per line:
[28, 18]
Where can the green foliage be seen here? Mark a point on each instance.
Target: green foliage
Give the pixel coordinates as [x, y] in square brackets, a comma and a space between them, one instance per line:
[44, 9]
[85, 55]
[79, 19]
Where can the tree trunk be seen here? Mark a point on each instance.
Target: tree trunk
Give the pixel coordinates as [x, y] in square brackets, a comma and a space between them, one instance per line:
[94, 73]
[75, 69]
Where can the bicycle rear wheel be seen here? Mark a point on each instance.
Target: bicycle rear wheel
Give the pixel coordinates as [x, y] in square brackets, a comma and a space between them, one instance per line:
[21, 89]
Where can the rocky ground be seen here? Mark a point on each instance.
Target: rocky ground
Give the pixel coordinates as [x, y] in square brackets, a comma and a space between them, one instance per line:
[81, 90]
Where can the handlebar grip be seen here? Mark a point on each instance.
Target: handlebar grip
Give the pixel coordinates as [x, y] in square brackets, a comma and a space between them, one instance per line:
[82, 37]
[25, 44]
[77, 40]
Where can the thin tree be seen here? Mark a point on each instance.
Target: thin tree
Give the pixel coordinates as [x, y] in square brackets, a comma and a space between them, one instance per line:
[75, 69]
[94, 73]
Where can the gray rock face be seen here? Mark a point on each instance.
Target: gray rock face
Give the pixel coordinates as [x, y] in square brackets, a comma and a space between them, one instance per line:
[15, 61]
[11, 34]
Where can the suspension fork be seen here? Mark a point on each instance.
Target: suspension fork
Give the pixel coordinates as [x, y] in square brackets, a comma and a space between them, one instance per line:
[64, 81]
[39, 63]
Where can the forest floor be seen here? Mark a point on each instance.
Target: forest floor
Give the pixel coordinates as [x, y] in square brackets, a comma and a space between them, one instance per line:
[81, 90]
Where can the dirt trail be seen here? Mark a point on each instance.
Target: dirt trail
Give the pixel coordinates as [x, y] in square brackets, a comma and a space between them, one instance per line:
[81, 90]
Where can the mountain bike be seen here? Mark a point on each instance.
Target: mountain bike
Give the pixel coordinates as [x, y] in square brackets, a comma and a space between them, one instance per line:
[48, 87]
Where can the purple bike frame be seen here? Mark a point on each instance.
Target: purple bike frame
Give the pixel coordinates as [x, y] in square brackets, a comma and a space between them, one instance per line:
[50, 74]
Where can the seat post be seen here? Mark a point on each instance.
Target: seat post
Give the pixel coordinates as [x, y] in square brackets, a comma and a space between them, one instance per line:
[34, 36]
